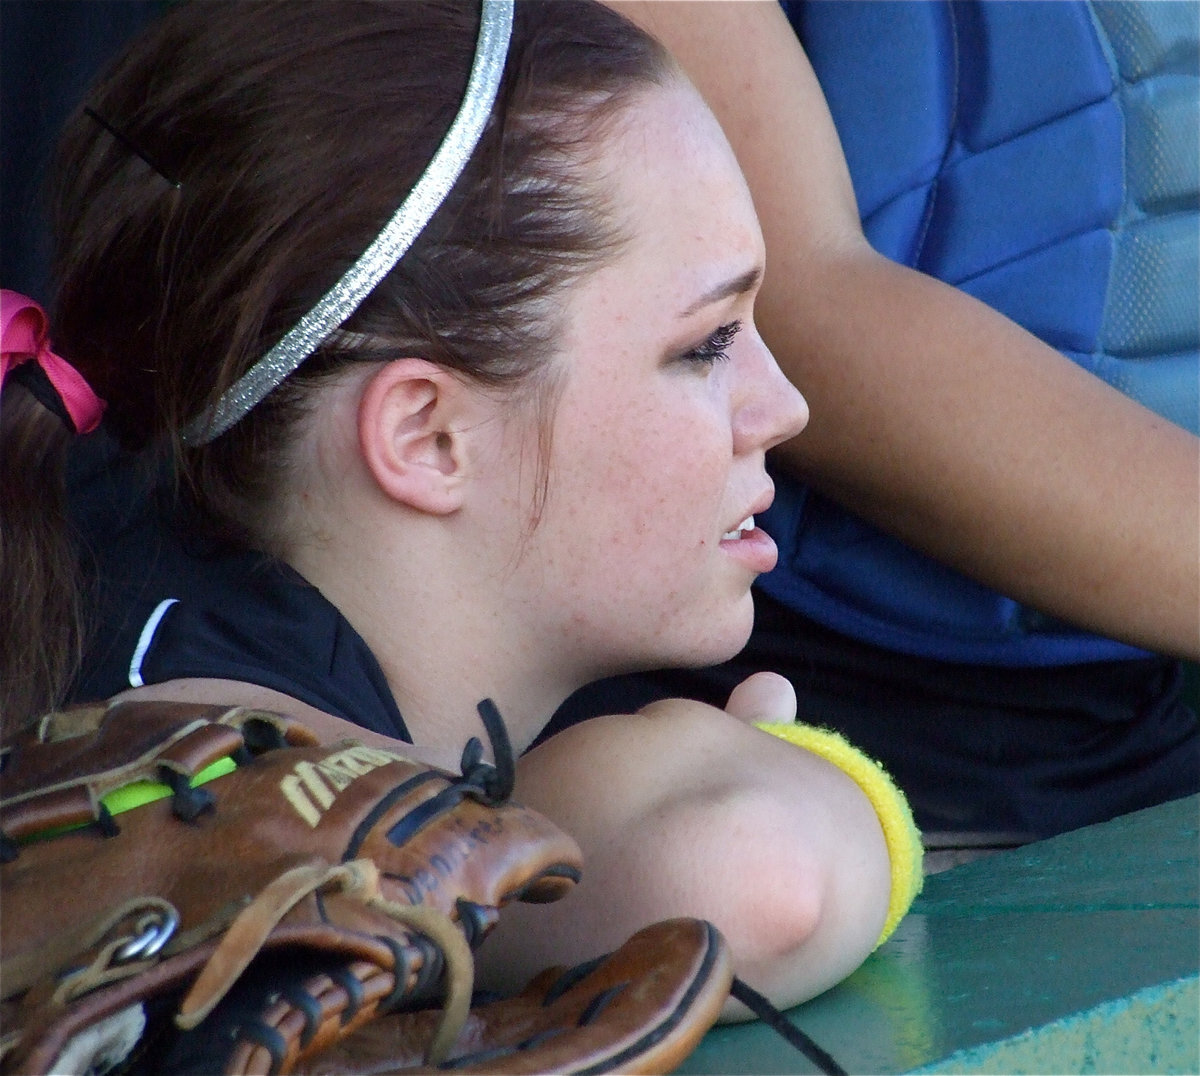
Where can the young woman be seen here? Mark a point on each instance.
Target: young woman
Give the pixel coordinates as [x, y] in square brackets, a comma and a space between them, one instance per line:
[497, 442]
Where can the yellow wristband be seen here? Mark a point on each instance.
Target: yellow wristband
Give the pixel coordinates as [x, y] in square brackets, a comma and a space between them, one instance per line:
[899, 830]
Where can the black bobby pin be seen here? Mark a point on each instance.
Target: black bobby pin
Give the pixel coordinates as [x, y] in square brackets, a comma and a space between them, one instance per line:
[132, 146]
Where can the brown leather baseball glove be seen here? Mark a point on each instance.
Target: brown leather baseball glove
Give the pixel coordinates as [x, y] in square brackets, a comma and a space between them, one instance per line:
[197, 889]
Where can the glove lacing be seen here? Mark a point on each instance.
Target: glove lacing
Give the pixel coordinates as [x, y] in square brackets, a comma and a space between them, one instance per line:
[492, 784]
[360, 879]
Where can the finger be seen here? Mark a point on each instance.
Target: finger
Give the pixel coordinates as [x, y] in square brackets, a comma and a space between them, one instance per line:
[765, 696]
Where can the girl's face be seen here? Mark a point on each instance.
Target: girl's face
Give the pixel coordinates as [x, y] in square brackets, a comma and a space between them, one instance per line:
[668, 402]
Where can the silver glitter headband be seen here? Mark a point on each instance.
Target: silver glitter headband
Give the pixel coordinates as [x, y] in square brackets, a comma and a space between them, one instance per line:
[491, 49]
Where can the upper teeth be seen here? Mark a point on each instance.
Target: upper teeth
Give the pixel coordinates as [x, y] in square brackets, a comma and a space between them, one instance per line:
[746, 524]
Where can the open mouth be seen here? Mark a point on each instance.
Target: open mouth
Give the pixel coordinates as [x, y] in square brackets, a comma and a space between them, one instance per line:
[744, 527]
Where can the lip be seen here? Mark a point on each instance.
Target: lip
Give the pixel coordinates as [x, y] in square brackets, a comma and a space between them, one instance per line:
[755, 549]
[760, 504]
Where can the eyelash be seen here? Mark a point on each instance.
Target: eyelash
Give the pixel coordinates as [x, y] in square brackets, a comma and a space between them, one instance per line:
[716, 348]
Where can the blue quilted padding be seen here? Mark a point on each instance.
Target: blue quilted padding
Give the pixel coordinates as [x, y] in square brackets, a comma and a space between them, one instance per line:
[1042, 155]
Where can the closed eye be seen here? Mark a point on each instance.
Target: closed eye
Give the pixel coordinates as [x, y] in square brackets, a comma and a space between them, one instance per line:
[715, 348]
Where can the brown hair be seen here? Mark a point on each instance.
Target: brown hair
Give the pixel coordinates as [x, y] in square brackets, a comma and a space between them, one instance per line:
[293, 131]
[39, 646]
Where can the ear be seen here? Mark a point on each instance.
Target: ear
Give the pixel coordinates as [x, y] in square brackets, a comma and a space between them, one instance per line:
[411, 434]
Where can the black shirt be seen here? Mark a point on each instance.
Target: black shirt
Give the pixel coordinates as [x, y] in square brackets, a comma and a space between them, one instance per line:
[167, 607]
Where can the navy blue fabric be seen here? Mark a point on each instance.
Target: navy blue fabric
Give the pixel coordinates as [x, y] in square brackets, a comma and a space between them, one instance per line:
[1042, 157]
[236, 615]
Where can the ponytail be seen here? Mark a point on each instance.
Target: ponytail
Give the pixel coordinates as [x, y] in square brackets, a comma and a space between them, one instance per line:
[44, 402]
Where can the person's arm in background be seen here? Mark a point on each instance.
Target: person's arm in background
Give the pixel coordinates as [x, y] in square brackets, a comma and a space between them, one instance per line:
[932, 415]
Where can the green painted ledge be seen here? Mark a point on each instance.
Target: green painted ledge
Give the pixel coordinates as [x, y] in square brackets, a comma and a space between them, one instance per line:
[1077, 954]
[1155, 1030]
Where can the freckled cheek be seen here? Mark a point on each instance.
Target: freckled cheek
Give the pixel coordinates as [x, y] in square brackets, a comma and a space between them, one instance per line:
[671, 504]
[647, 478]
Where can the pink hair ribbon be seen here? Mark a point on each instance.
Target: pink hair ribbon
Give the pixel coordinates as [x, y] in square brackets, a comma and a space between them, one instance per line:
[24, 337]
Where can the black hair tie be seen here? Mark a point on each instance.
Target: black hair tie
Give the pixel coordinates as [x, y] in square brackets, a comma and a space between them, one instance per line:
[32, 378]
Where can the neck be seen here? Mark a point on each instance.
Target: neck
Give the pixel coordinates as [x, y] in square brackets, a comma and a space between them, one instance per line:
[440, 699]
[442, 599]
[445, 632]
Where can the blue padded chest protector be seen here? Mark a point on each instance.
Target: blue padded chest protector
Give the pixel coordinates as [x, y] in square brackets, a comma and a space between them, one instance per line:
[1042, 156]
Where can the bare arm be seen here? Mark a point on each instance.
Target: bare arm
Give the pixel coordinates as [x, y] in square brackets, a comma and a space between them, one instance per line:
[680, 810]
[685, 810]
[932, 415]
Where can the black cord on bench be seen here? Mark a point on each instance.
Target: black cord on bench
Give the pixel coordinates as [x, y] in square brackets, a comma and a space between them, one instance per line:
[773, 1018]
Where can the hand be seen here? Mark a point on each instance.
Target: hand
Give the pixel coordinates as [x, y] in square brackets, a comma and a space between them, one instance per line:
[765, 696]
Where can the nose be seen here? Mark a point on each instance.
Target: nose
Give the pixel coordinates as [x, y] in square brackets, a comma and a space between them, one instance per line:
[768, 408]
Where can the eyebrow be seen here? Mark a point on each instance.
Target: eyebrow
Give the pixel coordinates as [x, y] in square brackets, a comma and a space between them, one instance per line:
[739, 285]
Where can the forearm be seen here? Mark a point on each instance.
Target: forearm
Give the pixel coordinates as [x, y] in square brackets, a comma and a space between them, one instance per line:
[680, 812]
[993, 452]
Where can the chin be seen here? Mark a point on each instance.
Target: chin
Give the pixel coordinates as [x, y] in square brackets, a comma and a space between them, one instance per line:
[695, 641]
[723, 638]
